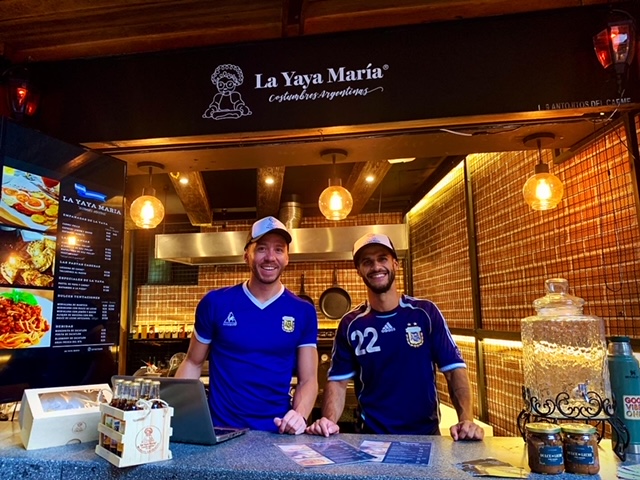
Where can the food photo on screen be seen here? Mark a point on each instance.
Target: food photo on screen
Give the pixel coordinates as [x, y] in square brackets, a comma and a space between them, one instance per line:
[29, 200]
[27, 258]
[25, 318]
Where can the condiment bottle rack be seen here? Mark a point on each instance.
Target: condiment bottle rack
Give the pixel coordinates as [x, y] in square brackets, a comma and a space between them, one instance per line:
[140, 436]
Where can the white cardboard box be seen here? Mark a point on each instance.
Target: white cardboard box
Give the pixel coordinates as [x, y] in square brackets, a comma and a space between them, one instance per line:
[50, 417]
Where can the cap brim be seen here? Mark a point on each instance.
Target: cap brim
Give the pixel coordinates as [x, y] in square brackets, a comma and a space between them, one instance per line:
[279, 231]
[356, 256]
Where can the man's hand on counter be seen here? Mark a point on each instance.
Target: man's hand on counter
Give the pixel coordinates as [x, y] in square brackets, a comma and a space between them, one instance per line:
[466, 430]
[292, 423]
[324, 427]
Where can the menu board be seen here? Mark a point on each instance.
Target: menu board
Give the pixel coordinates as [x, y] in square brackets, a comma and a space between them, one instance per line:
[63, 237]
[61, 234]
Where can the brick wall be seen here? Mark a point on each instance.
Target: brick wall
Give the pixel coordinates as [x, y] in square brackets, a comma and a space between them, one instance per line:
[591, 239]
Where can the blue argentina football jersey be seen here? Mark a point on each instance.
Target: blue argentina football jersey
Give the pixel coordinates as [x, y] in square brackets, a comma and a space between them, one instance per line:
[392, 357]
[253, 353]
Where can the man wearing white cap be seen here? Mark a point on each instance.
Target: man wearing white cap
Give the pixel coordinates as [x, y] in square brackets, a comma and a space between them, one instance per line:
[390, 346]
[256, 336]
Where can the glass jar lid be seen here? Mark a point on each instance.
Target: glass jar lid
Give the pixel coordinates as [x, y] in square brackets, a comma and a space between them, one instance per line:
[558, 296]
[578, 428]
[542, 427]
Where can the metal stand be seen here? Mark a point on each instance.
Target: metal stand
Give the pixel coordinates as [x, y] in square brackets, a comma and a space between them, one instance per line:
[596, 409]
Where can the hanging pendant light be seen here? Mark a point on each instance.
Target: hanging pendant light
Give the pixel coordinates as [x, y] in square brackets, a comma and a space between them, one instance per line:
[147, 211]
[335, 201]
[22, 94]
[543, 190]
[615, 45]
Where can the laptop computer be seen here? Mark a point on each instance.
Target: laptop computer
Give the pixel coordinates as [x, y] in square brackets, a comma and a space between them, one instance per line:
[191, 421]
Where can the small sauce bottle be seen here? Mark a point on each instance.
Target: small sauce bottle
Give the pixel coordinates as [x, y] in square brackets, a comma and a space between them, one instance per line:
[544, 448]
[580, 448]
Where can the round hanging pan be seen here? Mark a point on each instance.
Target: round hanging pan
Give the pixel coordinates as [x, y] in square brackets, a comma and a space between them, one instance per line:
[303, 295]
[335, 301]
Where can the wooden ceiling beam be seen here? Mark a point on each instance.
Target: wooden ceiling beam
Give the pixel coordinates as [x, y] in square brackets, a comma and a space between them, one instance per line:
[357, 184]
[268, 195]
[193, 195]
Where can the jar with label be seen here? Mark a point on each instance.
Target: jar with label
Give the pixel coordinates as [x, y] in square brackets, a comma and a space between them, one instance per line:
[544, 448]
[580, 448]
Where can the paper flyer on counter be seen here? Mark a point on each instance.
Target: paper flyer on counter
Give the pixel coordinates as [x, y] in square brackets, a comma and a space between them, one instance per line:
[399, 453]
[629, 472]
[324, 453]
[492, 467]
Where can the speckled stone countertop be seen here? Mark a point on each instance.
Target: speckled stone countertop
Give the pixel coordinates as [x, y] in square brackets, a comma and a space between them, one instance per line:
[254, 456]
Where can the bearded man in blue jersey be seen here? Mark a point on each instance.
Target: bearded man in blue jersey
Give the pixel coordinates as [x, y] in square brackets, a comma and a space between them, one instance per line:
[390, 346]
[256, 336]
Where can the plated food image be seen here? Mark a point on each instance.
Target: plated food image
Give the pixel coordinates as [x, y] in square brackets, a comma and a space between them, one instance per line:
[29, 200]
[27, 259]
[22, 320]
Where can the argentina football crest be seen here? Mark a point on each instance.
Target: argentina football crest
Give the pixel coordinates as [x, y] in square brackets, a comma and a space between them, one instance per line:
[288, 324]
[415, 338]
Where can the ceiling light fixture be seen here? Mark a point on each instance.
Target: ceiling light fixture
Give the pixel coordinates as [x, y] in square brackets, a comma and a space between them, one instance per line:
[615, 45]
[543, 190]
[335, 201]
[401, 160]
[147, 211]
[269, 180]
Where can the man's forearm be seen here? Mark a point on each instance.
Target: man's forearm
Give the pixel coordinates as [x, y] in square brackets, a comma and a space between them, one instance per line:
[305, 398]
[188, 369]
[334, 398]
[460, 393]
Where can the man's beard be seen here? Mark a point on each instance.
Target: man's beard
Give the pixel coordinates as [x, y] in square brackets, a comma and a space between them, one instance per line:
[391, 276]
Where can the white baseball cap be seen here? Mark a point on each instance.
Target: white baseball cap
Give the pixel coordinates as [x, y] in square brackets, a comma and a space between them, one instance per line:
[267, 225]
[372, 239]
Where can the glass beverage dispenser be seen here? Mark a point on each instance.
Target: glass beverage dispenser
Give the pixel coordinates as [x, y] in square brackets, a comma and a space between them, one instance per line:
[565, 357]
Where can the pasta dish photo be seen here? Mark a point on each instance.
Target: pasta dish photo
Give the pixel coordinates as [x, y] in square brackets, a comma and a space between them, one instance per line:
[22, 320]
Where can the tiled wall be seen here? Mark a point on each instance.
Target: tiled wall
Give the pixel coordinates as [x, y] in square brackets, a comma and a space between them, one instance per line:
[592, 239]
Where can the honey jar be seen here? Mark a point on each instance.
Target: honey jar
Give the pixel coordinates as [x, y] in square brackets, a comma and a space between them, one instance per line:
[580, 448]
[544, 448]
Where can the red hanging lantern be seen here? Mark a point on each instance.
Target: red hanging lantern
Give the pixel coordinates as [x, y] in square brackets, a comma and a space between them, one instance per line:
[22, 95]
[615, 45]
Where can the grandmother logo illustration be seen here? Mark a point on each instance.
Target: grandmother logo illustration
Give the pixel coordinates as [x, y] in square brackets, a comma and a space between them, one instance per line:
[227, 103]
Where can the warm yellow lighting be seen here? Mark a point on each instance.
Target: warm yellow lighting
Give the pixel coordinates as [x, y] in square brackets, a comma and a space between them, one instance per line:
[335, 202]
[269, 181]
[401, 160]
[497, 342]
[72, 240]
[147, 211]
[370, 178]
[184, 181]
[543, 191]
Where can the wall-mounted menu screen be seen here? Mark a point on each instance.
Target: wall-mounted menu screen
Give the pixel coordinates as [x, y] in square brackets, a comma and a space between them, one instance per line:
[61, 232]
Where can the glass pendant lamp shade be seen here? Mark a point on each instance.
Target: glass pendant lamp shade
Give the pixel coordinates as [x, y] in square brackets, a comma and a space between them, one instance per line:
[543, 190]
[147, 211]
[335, 201]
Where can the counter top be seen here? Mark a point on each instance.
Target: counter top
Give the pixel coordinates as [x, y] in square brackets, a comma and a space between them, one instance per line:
[254, 456]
